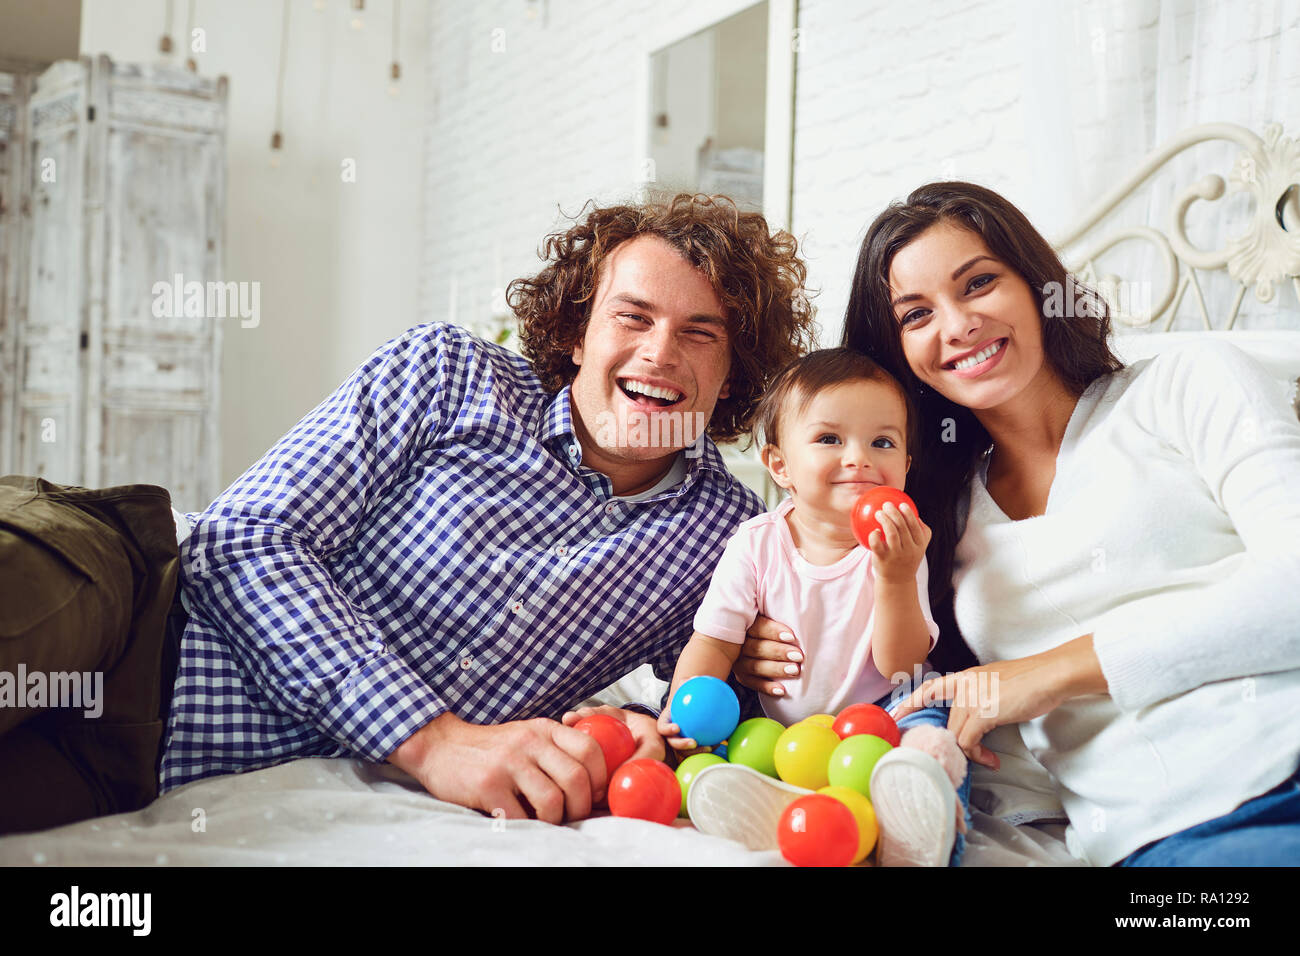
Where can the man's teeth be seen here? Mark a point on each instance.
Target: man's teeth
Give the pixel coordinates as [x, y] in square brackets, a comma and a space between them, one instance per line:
[979, 356]
[654, 391]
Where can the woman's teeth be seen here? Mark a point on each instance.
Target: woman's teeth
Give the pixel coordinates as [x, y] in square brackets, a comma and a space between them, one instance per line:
[980, 356]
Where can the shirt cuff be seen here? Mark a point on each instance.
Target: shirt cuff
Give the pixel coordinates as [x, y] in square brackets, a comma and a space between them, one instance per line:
[637, 707]
[1134, 676]
[378, 706]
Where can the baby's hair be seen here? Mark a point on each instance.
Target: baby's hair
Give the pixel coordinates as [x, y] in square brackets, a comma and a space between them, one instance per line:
[796, 384]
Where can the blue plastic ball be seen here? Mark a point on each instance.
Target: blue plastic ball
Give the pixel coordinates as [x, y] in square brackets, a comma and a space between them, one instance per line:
[706, 710]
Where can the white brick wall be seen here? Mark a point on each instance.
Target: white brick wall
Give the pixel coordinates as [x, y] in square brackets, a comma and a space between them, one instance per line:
[889, 94]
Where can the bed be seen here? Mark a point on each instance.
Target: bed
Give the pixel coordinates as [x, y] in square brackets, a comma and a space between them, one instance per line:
[349, 813]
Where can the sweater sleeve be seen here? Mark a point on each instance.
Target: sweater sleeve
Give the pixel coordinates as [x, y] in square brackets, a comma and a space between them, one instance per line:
[1221, 410]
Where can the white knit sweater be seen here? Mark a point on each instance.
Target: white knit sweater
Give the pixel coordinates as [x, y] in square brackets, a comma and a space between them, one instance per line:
[1172, 534]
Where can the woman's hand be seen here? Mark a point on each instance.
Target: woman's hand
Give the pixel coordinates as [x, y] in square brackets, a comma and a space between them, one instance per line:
[769, 655]
[1008, 692]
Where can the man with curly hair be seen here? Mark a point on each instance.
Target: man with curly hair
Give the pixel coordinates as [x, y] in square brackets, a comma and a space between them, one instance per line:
[461, 544]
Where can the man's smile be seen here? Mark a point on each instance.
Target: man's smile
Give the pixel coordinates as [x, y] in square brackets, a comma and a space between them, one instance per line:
[648, 393]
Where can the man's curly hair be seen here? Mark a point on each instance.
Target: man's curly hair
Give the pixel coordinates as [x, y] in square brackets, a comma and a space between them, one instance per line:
[756, 275]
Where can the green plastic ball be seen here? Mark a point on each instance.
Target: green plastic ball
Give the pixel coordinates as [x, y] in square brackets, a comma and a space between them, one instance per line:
[753, 744]
[854, 759]
[688, 768]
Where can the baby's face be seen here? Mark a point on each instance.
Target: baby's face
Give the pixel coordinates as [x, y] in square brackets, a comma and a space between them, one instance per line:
[850, 438]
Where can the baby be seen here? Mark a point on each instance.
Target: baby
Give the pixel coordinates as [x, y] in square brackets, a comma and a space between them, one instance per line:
[835, 424]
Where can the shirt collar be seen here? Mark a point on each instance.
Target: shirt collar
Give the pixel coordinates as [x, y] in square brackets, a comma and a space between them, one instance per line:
[558, 435]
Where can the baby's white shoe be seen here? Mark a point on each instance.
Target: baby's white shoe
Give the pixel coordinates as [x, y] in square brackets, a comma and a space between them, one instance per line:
[916, 808]
[738, 803]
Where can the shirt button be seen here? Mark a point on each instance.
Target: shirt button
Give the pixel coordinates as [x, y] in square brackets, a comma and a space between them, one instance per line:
[610, 509]
[466, 663]
[561, 550]
[517, 606]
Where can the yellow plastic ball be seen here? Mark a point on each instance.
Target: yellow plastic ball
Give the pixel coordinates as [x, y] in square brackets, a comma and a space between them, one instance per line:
[803, 754]
[863, 812]
[825, 720]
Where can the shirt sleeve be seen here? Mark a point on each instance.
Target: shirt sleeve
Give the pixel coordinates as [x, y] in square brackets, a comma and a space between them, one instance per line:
[1223, 412]
[257, 566]
[731, 603]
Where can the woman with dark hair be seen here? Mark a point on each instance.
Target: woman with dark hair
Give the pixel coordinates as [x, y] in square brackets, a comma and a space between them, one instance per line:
[1114, 550]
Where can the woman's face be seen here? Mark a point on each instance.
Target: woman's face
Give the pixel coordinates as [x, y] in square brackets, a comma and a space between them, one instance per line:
[970, 326]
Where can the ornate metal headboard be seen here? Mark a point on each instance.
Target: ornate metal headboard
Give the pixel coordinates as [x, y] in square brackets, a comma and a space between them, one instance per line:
[1265, 256]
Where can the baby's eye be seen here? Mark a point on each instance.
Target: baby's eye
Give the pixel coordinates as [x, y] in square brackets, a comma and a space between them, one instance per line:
[828, 439]
[884, 443]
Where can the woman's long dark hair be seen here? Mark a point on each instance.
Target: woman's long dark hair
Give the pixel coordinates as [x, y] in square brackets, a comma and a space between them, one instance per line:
[952, 439]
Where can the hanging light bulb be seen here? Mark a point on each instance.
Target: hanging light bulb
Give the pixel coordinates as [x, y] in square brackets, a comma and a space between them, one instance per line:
[395, 71]
[191, 64]
[276, 139]
[358, 8]
[165, 41]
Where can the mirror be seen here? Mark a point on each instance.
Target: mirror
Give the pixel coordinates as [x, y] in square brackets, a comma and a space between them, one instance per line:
[708, 105]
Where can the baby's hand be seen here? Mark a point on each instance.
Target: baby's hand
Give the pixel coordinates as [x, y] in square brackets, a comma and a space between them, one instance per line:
[897, 549]
[673, 733]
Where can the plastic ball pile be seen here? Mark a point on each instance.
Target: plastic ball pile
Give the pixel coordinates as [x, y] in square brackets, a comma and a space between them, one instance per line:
[830, 754]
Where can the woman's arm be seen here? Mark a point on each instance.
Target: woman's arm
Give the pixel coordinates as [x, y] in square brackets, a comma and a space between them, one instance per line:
[1008, 692]
[1220, 409]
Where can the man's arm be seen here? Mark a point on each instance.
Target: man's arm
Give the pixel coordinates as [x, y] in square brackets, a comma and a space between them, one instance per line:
[256, 569]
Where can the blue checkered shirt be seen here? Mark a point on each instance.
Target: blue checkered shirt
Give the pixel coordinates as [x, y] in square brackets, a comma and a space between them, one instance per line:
[428, 540]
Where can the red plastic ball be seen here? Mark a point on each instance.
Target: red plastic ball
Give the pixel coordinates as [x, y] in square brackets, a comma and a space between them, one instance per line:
[646, 790]
[863, 516]
[818, 830]
[867, 719]
[616, 741]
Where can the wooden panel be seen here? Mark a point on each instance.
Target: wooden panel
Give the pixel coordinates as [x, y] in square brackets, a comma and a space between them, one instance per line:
[121, 170]
[50, 336]
[46, 442]
[164, 173]
[175, 373]
[160, 446]
[13, 98]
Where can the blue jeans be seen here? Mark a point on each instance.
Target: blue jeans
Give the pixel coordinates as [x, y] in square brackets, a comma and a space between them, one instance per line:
[1264, 831]
[938, 717]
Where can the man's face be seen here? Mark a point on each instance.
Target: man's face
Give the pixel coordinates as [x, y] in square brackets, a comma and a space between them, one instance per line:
[653, 362]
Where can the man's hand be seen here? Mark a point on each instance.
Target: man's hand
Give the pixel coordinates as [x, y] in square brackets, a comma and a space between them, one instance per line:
[644, 729]
[558, 771]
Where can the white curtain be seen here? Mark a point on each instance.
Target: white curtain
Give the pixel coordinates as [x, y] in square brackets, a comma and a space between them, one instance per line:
[1108, 81]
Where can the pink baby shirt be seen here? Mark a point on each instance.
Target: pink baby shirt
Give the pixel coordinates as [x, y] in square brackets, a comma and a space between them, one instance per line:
[828, 608]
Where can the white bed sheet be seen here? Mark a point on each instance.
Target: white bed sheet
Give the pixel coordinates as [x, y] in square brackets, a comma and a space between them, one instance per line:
[319, 812]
